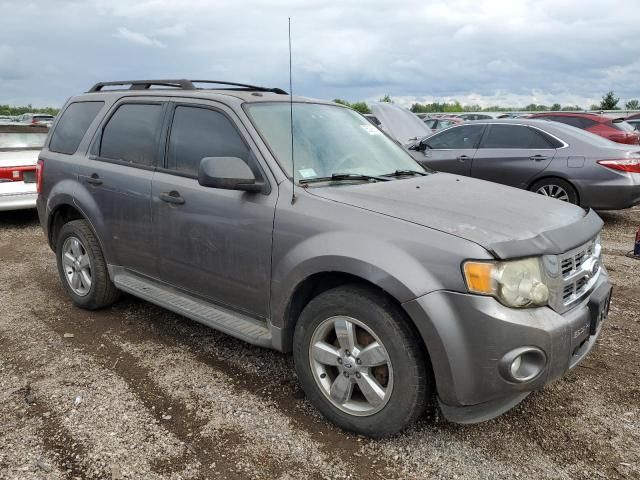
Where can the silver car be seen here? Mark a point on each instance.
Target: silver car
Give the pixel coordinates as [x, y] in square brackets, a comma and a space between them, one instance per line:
[546, 157]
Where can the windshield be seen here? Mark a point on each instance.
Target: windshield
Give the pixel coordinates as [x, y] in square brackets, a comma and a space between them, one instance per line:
[624, 126]
[327, 140]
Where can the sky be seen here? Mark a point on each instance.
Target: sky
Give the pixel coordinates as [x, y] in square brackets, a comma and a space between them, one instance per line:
[488, 52]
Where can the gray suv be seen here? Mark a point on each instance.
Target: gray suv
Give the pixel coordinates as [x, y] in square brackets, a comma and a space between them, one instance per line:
[389, 283]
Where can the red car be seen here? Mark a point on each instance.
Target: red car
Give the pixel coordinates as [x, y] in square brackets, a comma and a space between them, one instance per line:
[615, 130]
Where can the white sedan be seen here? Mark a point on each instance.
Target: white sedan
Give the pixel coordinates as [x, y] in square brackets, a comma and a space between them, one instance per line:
[19, 149]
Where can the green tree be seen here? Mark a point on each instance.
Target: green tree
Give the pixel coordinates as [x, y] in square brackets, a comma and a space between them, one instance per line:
[386, 99]
[556, 107]
[569, 108]
[609, 101]
[632, 105]
[361, 107]
[594, 106]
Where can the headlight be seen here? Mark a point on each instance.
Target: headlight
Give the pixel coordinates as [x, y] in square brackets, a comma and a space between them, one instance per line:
[515, 283]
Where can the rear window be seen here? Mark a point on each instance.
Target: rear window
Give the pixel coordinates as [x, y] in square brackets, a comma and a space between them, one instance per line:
[72, 126]
[131, 135]
[514, 136]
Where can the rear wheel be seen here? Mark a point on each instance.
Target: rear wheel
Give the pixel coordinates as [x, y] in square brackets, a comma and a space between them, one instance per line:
[359, 361]
[82, 268]
[556, 188]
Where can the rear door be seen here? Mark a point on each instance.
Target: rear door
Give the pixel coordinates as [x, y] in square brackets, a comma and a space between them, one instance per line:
[512, 154]
[118, 176]
[211, 242]
[451, 150]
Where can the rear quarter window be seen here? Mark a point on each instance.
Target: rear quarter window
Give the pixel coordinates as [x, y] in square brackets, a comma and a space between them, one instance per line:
[72, 126]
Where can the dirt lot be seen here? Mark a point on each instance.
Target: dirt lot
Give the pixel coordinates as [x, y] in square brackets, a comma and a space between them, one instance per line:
[138, 392]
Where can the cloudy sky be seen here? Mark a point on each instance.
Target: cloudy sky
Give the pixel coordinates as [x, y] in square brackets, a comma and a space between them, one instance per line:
[487, 52]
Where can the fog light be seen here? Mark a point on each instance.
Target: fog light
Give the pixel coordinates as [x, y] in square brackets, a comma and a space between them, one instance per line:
[522, 364]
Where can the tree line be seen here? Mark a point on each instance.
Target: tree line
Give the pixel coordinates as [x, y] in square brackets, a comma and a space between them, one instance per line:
[609, 102]
[11, 111]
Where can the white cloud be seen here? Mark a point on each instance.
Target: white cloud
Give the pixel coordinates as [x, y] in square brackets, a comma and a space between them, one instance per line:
[137, 37]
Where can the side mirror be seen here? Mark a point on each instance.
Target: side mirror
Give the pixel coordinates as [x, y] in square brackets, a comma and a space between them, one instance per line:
[228, 173]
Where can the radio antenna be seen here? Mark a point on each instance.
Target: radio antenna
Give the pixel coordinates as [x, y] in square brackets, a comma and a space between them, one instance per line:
[293, 167]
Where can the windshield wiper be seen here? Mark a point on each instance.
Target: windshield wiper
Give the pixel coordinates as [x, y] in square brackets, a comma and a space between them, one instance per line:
[401, 173]
[336, 177]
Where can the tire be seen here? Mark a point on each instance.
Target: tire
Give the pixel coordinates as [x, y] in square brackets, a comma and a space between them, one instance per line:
[405, 380]
[556, 188]
[86, 279]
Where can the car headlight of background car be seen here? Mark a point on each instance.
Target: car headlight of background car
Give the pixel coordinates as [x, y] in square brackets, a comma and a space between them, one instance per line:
[515, 283]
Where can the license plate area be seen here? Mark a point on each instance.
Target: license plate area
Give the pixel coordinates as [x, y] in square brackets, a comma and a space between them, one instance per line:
[29, 176]
[599, 309]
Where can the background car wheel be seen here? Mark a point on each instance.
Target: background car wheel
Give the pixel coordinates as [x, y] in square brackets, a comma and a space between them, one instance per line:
[556, 188]
[82, 268]
[359, 361]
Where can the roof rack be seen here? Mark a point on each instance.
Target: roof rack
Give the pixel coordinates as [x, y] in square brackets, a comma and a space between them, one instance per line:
[181, 84]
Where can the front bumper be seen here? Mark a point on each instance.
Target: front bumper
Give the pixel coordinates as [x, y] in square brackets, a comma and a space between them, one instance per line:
[468, 335]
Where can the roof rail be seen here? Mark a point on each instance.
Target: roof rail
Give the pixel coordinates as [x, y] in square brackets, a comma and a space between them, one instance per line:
[181, 84]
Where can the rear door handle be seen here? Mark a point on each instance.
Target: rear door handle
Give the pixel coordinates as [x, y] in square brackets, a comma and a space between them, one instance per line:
[538, 158]
[463, 158]
[94, 179]
[172, 197]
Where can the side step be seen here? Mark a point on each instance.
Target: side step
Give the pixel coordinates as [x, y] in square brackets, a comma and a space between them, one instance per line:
[232, 323]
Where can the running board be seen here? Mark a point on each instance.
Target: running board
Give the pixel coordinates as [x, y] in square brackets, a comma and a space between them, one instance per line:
[218, 318]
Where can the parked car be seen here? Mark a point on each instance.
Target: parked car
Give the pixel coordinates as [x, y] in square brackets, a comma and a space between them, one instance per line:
[474, 116]
[549, 158]
[388, 283]
[616, 130]
[442, 122]
[635, 123]
[5, 119]
[35, 119]
[19, 147]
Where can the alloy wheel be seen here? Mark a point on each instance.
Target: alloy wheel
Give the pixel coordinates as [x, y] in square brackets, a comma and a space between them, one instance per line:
[553, 191]
[351, 366]
[77, 266]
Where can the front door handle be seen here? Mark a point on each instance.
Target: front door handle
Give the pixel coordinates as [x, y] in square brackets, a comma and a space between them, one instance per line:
[94, 179]
[172, 197]
[538, 158]
[463, 158]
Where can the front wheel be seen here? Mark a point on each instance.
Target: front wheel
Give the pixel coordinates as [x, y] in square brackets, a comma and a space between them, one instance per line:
[359, 361]
[556, 188]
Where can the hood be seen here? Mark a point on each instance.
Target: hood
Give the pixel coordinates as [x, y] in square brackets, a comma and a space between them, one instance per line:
[399, 122]
[506, 221]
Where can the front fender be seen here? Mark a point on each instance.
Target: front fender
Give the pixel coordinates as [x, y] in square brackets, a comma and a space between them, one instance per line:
[379, 262]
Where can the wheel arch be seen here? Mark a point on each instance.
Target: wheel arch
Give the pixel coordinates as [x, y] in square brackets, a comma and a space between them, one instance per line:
[547, 176]
[319, 282]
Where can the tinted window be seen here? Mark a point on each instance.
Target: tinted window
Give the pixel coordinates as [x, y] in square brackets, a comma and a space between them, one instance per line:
[577, 122]
[131, 134]
[465, 136]
[72, 126]
[513, 136]
[197, 133]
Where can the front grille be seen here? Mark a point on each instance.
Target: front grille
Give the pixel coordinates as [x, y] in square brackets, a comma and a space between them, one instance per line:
[571, 275]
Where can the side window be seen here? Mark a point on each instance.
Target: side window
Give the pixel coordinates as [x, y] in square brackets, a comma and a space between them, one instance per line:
[513, 136]
[132, 134]
[197, 133]
[72, 126]
[465, 136]
[573, 121]
[587, 123]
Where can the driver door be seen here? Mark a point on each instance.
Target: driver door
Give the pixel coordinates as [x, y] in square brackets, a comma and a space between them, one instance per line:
[212, 242]
[451, 150]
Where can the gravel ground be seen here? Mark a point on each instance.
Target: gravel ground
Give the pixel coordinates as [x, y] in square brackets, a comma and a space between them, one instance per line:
[137, 392]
